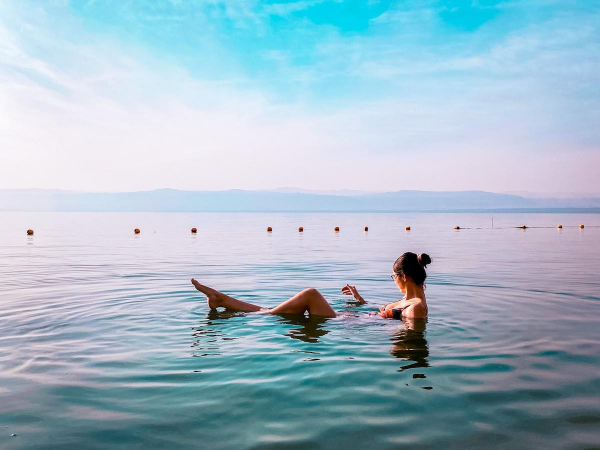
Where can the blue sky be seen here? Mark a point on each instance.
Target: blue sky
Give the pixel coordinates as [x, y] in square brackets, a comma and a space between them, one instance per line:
[375, 95]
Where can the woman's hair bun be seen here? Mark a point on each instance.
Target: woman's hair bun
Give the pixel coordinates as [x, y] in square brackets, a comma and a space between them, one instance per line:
[424, 259]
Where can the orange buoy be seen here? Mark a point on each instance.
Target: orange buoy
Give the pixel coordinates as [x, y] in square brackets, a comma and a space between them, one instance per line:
[336, 228]
[136, 231]
[194, 230]
[581, 227]
[457, 227]
[300, 229]
[366, 228]
[407, 228]
[559, 226]
[29, 232]
[269, 229]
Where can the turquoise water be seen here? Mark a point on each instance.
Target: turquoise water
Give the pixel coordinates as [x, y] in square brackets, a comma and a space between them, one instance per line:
[104, 342]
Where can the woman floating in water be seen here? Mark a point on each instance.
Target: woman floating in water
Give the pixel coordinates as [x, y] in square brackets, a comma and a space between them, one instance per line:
[409, 275]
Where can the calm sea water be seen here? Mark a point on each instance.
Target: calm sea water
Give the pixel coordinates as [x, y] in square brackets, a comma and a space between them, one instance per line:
[104, 342]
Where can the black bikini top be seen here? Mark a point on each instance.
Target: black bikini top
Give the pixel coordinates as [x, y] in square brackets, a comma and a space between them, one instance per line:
[397, 312]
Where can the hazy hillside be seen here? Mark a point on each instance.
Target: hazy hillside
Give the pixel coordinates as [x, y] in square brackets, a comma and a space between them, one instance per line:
[238, 200]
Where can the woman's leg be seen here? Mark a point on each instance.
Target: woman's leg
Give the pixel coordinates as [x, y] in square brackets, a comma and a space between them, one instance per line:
[309, 300]
[216, 299]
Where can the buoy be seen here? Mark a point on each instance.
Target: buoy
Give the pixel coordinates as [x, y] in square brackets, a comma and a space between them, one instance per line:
[29, 232]
[581, 227]
[559, 226]
[457, 227]
[269, 229]
[407, 228]
[194, 230]
[336, 228]
[300, 229]
[366, 228]
[523, 227]
[136, 231]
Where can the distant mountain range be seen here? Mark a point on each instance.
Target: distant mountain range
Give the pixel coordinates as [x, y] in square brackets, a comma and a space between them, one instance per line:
[283, 200]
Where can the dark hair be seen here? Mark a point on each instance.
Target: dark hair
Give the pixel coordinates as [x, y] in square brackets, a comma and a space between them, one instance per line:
[412, 265]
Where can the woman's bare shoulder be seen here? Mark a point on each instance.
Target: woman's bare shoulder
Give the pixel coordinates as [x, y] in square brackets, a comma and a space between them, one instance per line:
[416, 310]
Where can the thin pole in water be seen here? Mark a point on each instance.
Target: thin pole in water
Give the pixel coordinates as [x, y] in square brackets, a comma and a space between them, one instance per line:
[492, 222]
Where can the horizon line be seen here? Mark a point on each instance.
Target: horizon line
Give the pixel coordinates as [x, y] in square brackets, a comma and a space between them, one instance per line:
[321, 192]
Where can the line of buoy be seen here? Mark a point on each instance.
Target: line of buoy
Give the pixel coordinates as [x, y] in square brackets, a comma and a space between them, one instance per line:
[336, 229]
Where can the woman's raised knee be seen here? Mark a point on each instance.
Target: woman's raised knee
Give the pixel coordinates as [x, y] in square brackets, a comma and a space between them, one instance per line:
[311, 291]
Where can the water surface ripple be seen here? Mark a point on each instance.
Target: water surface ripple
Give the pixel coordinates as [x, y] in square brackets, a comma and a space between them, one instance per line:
[105, 344]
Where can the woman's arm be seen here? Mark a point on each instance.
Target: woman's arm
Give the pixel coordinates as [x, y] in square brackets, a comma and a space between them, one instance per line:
[351, 290]
[386, 310]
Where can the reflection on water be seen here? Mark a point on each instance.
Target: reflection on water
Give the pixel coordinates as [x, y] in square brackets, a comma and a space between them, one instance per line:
[213, 329]
[410, 344]
[310, 328]
[210, 332]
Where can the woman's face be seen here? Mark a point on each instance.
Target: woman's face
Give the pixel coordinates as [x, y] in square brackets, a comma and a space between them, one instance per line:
[400, 281]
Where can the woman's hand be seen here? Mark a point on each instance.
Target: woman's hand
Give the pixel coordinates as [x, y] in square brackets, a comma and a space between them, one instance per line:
[351, 290]
[383, 312]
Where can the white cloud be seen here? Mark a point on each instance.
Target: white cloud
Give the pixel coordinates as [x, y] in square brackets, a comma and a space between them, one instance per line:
[122, 122]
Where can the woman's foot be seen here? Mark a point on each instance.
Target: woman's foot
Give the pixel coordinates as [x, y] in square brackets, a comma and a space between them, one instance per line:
[213, 298]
